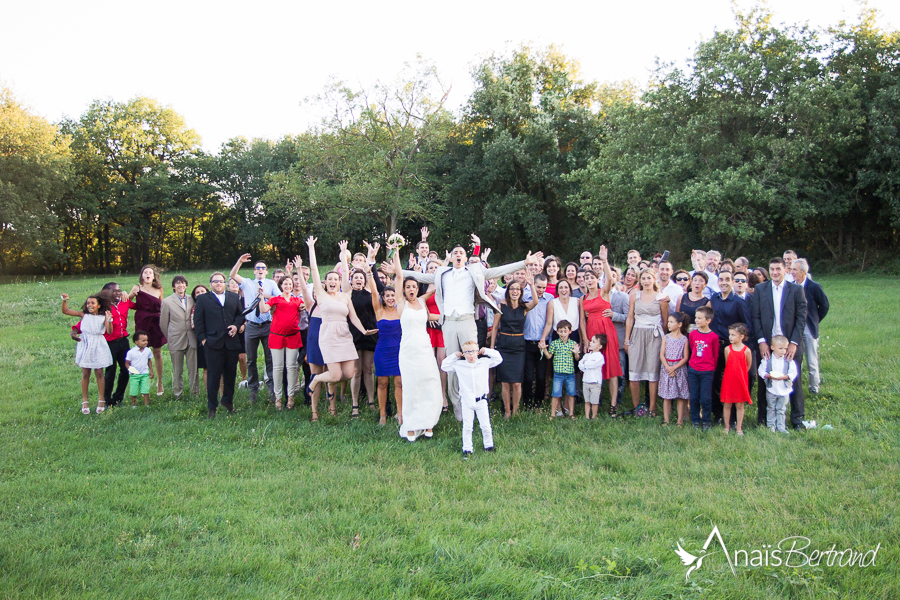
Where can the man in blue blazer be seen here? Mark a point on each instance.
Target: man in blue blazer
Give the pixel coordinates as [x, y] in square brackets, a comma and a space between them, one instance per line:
[817, 309]
[217, 319]
[778, 307]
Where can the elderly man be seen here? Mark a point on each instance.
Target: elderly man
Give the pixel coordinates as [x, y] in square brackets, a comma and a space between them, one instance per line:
[816, 311]
[586, 258]
[458, 286]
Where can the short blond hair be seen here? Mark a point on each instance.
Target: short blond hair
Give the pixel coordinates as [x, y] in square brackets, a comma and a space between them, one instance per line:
[780, 339]
[470, 343]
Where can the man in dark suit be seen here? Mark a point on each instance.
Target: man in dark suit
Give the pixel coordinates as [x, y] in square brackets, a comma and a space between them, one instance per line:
[778, 307]
[217, 318]
[816, 310]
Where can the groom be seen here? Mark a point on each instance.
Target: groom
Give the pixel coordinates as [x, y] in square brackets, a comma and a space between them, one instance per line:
[458, 288]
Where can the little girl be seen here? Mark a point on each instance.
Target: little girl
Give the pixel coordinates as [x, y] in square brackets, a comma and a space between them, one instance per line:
[592, 366]
[735, 380]
[92, 352]
[674, 354]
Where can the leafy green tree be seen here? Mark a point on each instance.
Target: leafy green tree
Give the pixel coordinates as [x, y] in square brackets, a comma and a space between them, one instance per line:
[128, 157]
[372, 161]
[530, 121]
[35, 172]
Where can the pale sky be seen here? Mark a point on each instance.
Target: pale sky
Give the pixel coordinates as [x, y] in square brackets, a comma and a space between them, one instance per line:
[242, 69]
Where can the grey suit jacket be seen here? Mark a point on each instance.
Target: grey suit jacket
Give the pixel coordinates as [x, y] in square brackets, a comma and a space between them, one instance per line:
[479, 276]
[175, 323]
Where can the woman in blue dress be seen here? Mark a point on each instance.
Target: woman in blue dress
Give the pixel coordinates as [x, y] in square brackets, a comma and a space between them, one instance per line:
[387, 350]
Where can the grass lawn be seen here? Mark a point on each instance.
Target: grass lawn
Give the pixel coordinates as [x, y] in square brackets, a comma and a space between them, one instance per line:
[161, 502]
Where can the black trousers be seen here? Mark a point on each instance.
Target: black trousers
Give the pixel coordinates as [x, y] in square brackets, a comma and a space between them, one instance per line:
[717, 382]
[535, 375]
[220, 362]
[118, 348]
[797, 402]
[481, 328]
[307, 374]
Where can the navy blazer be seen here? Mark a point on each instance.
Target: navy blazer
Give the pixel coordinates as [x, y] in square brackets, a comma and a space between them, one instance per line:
[793, 311]
[816, 305]
[211, 320]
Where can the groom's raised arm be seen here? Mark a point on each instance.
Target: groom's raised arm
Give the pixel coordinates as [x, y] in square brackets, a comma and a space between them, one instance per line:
[420, 277]
[495, 272]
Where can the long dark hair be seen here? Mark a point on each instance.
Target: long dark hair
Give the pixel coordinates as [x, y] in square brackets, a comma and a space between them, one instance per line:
[103, 300]
[508, 288]
[156, 284]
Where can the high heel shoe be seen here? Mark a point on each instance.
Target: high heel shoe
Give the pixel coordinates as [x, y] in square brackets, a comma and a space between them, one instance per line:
[314, 418]
[85, 408]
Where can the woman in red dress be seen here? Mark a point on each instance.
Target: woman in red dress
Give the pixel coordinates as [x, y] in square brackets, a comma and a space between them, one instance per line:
[594, 320]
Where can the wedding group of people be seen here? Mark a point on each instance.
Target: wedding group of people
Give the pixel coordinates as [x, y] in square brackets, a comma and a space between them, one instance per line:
[444, 331]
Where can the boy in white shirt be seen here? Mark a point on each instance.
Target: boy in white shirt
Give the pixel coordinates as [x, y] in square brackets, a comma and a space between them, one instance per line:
[592, 366]
[139, 362]
[779, 373]
[473, 376]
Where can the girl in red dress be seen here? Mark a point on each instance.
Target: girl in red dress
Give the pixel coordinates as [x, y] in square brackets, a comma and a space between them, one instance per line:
[593, 321]
[735, 380]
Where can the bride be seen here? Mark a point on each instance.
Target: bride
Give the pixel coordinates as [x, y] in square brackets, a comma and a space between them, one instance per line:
[421, 378]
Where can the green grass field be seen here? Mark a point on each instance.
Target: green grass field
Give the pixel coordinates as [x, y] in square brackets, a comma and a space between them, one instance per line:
[161, 502]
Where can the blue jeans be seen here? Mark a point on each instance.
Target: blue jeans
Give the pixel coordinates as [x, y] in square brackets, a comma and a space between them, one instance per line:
[558, 380]
[700, 384]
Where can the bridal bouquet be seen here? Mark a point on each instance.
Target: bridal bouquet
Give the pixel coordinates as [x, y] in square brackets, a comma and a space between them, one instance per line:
[397, 240]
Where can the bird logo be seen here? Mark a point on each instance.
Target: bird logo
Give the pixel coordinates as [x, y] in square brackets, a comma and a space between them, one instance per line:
[695, 562]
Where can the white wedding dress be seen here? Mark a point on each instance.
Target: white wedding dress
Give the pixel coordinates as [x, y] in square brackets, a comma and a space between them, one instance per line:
[419, 371]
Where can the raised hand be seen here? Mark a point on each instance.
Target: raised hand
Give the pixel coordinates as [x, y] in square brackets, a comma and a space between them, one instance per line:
[244, 258]
[603, 253]
[387, 267]
[342, 245]
[298, 261]
[485, 253]
[537, 257]
[288, 267]
[424, 232]
[109, 315]
[311, 241]
[476, 240]
[65, 297]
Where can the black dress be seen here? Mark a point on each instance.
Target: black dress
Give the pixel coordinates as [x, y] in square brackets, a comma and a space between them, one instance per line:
[689, 307]
[362, 304]
[511, 345]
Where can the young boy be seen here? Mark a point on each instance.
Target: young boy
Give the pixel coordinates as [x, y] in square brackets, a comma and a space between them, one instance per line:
[564, 353]
[139, 362]
[779, 373]
[704, 347]
[473, 375]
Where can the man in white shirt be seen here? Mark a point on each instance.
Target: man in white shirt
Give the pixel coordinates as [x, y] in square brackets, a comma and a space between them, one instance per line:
[256, 330]
[669, 287]
[458, 286]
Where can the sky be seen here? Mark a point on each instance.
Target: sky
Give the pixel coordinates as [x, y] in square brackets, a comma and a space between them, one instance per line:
[243, 69]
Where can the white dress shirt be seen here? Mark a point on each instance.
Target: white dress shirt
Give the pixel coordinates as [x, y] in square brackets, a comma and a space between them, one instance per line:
[777, 293]
[220, 298]
[473, 378]
[458, 292]
[674, 292]
[779, 387]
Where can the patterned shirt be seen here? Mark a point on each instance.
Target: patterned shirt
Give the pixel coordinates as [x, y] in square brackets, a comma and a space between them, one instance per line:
[563, 362]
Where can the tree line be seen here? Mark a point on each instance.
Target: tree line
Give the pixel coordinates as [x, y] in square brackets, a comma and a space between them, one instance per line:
[771, 136]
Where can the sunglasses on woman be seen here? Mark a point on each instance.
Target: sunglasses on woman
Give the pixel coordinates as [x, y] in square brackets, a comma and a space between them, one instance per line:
[681, 279]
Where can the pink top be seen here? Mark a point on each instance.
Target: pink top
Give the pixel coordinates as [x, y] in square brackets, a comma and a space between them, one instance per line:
[704, 350]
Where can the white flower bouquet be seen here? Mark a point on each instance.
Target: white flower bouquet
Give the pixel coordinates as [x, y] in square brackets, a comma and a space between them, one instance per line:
[395, 239]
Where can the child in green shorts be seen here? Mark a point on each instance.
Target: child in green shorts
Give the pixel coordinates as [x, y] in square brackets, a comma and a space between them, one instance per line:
[139, 362]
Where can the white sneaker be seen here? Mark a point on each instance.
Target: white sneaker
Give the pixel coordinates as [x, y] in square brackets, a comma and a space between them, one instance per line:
[243, 385]
[559, 413]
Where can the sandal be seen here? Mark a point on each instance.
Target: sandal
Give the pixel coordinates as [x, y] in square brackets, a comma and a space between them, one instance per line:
[100, 409]
[354, 414]
[445, 409]
[314, 418]
[382, 421]
[290, 402]
[278, 404]
[332, 411]
[370, 405]
[613, 411]
[652, 414]
[85, 408]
